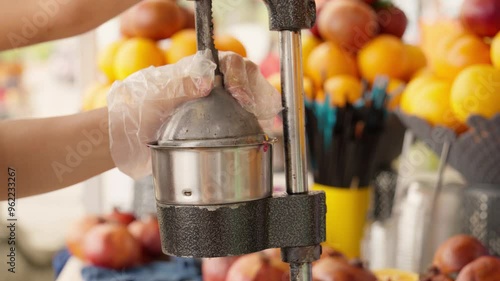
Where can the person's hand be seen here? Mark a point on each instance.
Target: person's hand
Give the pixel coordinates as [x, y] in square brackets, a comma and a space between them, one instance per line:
[140, 104]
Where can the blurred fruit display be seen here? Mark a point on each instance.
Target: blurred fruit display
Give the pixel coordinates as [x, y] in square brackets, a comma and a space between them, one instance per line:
[145, 29]
[117, 240]
[481, 17]
[464, 54]
[352, 43]
[448, 77]
[463, 258]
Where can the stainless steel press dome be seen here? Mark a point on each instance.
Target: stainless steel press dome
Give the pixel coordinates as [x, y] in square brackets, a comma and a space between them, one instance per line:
[217, 116]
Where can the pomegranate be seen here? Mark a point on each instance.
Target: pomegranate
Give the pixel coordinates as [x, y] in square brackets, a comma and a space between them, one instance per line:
[189, 22]
[315, 29]
[482, 17]
[457, 252]
[77, 232]
[215, 269]
[350, 24]
[120, 217]
[392, 20]
[153, 19]
[111, 246]
[258, 267]
[337, 269]
[482, 269]
[327, 251]
[147, 232]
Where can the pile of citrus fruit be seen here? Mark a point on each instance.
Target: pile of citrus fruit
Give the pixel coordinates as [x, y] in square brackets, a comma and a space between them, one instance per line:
[355, 41]
[145, 28]
[463, 75]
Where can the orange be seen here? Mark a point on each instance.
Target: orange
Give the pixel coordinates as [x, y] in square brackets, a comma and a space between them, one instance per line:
[495, 51]
[136, 54]
[275, 81]
[309, 42]
[458, 51]
[183, 44]
[394, 91]
[106, 59]
[432, 32]
[309, 88]
[395, 85]
[391, 274]
[416, 60]
[426, 71]
[384, 55]
[343, 89]
[328, 60]
[429, 98]
[476, 91]
[226, 42]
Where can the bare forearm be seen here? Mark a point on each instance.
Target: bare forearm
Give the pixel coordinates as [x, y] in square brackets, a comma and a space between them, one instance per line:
[27, 22]
[52, 153]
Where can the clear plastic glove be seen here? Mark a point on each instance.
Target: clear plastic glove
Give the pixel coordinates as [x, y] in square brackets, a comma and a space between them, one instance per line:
[139, 105]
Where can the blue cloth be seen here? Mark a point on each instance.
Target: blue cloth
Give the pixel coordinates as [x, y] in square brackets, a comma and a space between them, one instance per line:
[177, 269]
[59, 261]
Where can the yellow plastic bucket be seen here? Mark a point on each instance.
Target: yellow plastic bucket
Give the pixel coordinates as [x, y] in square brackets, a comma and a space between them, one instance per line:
[346, 214]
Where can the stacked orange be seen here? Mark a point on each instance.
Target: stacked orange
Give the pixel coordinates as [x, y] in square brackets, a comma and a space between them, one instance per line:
[144, 29]
[463, 77]
[336, 58]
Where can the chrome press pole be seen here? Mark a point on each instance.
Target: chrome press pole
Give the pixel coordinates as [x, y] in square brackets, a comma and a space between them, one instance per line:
[205, 33]
[294, 128]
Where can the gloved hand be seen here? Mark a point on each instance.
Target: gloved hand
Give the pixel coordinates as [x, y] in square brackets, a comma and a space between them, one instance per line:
[140, 104]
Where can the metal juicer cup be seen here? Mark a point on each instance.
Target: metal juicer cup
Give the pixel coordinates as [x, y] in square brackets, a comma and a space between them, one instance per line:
[212, 151]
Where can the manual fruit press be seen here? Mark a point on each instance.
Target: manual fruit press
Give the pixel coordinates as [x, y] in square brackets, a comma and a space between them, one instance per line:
[212, 165]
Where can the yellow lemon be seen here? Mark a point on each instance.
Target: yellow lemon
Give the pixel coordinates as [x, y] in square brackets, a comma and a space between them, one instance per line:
[429, 98]
[456, 52]
[495, 51]
[476, 91]
[106, 59]
[136, 54]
